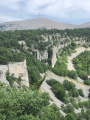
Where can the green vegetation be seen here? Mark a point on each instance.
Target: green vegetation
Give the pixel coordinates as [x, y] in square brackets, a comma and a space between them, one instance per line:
[57, 89]
[50, 52]
[72, 74]
[66, 51]
[70, 116]
[12, 51]
[8, 55]
[70, 101]
[82, 65]
[69, 109]
[11, 79]
[23, 104]
[60, 90]
[68, 85]
[74, 103]
[81, 92]
[72, 91]
[60, 67]
[89, 95]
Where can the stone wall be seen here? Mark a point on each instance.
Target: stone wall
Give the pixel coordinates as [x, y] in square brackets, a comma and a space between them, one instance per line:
[18, 69]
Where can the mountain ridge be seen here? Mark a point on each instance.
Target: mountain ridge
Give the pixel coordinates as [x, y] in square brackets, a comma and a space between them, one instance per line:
[40, 23]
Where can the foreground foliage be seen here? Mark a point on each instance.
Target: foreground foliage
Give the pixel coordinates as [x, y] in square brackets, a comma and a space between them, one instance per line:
[24, 104]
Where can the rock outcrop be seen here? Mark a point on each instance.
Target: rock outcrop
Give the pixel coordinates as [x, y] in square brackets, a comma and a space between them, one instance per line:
[41, 55]
[22, 42]
[54, 57]
[3, 71]
[18, 69]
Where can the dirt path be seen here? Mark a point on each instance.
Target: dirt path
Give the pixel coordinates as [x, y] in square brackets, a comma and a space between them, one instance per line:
[45, 87]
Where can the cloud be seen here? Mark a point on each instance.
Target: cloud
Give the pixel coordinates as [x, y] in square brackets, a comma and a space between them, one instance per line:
[7, 18]
[75, 11]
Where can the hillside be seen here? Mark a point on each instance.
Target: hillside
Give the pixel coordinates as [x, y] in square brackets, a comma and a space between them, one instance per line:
[35, 24]
[84, 25]
[40, 23]
[52, 70]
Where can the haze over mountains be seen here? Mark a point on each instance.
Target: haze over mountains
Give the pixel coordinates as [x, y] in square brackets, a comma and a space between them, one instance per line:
[40, 23]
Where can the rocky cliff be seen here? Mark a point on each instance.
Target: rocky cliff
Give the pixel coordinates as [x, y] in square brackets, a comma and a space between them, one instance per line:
[18, 69]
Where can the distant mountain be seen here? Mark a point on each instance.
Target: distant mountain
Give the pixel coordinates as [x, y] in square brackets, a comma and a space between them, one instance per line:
[39, 23]
[84, 25]
[35, 24]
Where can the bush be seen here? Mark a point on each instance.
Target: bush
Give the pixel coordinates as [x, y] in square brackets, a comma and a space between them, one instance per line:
[81, 104]
[72, 74]
[68, 85]
[57, 89]
[89, 95]
[87, 82]
[74, 103]
[59, 92]
[70, 116]
[11, 79]
[69, 109]
[80, 92]
[82, 75]
[52, 82]
[60, 67]
[66, 101]
[74, 92]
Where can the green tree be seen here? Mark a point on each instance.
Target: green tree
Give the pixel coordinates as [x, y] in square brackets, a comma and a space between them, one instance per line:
[72, 74]
[70, 116]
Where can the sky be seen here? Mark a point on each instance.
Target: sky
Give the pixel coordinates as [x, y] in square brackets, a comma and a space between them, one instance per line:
[69, 11]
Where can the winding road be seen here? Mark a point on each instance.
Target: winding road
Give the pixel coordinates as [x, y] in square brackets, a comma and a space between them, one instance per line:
[46, 88]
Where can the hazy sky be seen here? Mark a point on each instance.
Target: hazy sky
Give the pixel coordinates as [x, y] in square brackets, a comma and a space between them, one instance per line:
[72, 11]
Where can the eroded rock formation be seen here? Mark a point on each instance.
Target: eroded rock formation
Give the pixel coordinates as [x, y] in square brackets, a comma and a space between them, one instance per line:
[18, 69]
[54, 57]
[40, 55]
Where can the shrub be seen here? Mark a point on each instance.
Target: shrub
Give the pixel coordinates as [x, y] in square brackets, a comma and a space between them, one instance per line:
[80, 92]
[73, 92]
[70, 116]
[69, 109]
[57, 89]
[87, 82]
[68, 85]
[89, 95]
[74, 103]
[59, 92]
[72, 74]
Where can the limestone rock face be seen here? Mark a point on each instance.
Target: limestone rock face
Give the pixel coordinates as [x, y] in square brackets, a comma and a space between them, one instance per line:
[40, 55]
[22, 42]
[44, 54]
[54, 58]
[18, 69]
[3, 70]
